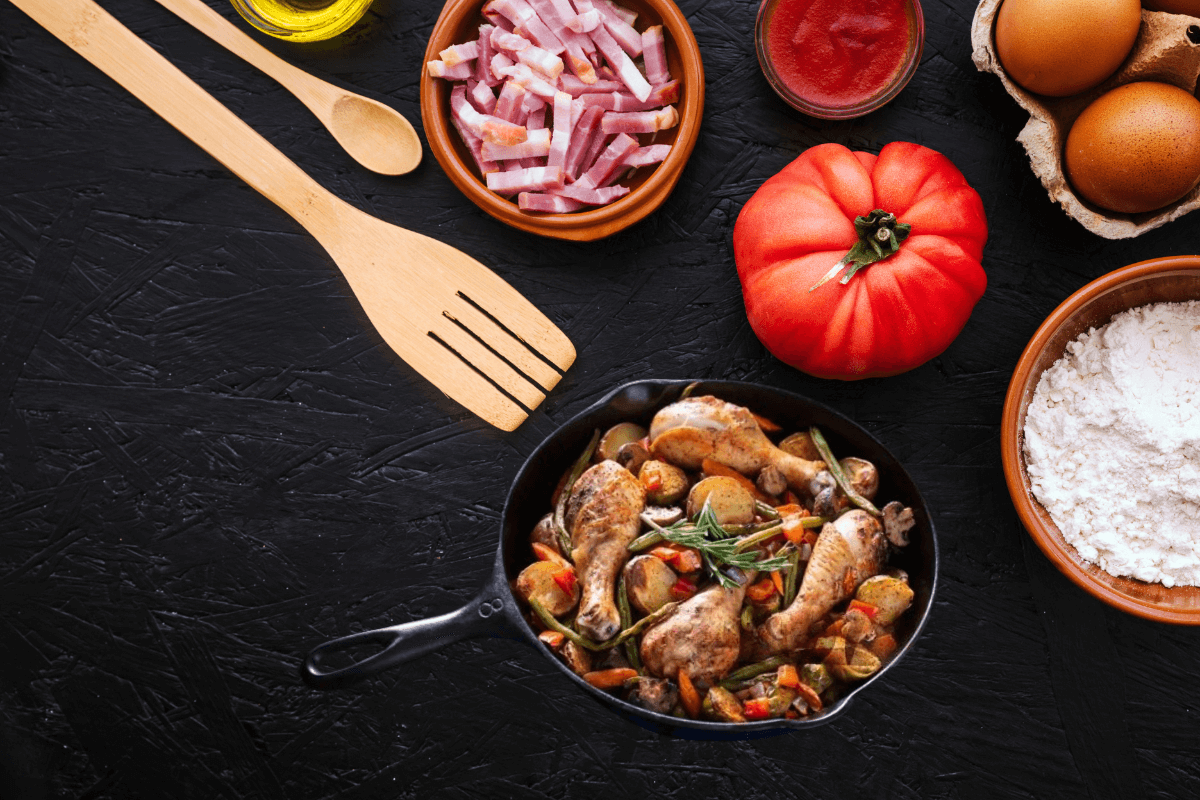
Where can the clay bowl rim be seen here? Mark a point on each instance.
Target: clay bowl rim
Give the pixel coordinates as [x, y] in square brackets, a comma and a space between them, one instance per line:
[1064, 325]
[584, 226]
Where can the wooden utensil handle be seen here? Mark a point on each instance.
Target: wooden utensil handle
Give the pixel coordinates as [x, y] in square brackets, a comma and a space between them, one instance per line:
[92, 32]
[204, 19]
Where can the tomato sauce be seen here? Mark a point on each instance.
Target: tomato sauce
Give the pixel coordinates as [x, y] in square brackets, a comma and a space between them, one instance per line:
[836, 53]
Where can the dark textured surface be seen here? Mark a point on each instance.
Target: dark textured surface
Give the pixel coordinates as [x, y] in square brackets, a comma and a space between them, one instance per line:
[209, 463]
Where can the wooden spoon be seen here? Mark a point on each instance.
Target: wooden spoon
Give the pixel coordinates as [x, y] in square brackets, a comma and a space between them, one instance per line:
[451, 318]
[376, 136]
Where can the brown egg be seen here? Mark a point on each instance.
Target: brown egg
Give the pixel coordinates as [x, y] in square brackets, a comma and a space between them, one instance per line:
[1062, 47]
[1136, 148]
[1189, 7]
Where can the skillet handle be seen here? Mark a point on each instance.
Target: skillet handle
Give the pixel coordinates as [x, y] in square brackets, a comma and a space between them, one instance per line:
[487, 614]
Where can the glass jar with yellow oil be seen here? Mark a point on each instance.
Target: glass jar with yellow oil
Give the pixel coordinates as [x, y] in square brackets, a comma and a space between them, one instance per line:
[302, 20]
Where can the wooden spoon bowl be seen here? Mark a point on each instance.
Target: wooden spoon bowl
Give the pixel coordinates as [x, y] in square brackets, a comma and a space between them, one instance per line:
[1160, 280]
[650, 186]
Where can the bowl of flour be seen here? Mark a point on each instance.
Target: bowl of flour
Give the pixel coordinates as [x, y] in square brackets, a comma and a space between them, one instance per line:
[1101, 438]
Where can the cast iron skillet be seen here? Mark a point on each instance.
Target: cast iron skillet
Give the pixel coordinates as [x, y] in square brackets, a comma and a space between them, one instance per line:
[495, 610]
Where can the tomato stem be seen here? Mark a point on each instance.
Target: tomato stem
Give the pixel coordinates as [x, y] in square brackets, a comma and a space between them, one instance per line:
[879, 236]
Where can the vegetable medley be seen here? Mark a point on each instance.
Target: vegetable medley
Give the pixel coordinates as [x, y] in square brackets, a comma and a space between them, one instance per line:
[701, 569]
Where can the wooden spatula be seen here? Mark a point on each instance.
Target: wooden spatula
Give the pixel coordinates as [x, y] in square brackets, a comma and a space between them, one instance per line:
[452, 319]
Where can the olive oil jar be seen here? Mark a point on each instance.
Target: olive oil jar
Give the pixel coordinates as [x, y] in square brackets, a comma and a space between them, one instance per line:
[302, 20]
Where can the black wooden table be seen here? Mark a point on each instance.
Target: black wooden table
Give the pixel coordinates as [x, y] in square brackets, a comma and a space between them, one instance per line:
[209, 462]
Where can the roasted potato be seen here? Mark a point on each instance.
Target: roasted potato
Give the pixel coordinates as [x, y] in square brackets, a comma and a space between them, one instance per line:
[664, 483]
[538, 581]
[727, 498]
[801, 445]
[648, 582]
[891, 596]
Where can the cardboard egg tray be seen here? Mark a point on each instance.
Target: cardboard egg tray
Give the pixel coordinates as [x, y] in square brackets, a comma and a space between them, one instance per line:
[1163, 52]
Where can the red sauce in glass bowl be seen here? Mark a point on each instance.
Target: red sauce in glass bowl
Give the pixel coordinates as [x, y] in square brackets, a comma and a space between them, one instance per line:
[833, 58]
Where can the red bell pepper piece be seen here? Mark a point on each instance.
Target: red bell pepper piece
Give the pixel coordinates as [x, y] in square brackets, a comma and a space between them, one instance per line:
[756, 708]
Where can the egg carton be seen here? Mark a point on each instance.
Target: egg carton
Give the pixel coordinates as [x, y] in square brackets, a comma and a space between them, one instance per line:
[1164, 51]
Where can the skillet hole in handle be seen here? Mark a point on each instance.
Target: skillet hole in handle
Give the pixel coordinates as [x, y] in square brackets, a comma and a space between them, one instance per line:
[484, 615]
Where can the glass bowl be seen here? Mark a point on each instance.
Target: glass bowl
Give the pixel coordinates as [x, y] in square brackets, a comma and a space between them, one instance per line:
[302, 20]
[907, 67]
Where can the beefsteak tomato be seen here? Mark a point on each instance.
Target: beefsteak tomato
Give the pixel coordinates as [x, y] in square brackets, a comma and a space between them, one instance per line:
[909, 232]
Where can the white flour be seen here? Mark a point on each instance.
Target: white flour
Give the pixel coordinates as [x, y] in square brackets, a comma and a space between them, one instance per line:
[1112, 444]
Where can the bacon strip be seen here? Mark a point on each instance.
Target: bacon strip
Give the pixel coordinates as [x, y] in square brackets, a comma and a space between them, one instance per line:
[654, 53]
[551, 203]
[620, 61]
[529, 179]
[640, 121]
[536, 144]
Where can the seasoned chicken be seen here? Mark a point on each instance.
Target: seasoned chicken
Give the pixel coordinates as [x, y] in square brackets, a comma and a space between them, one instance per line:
[691, 430]
[702, 637]
[849, 550]
[602, 518]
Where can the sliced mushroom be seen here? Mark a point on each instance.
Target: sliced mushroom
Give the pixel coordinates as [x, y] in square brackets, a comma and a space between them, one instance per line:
[662, 515]
[617, 436]
[544, 533]
[897, 522]
[578, 659]
[632, 455]
[771, 481]
[654, 694]
[863, 476]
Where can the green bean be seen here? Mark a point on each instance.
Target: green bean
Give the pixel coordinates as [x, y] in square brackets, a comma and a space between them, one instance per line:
[835, 469]
[560, 510]
[631, 650]
[550, 622]
[756, 539]
[753, 671]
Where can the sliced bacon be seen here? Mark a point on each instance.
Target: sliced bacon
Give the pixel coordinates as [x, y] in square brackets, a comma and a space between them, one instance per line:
[577, 57]
[509, 43]
[581, 137]
[458, 53]
[455, 72]
[550, 203]
[606, 165]
[536, 144]
[483, 98]
[654, 54]
[577, 87]
[509, 105]
[588, 195]
[500, 66]
[645, 156]
[640, 121]
[529, 179]
[541, 60]
[561, 137]
[483, 63]
[619, 60]
[486, 127]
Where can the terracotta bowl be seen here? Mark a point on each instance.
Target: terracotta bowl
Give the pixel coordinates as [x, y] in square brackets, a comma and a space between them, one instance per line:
[650, 186]
[1174, 279]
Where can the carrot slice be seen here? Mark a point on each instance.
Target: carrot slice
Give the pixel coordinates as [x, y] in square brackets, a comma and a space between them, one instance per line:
[761, 591]
[767, 425]
[688, 695]
[552, 639]
[788, 676]
[777, 579]
[609, 678]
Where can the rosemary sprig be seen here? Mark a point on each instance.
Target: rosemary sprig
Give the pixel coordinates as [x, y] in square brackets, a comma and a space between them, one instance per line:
[716, 546]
